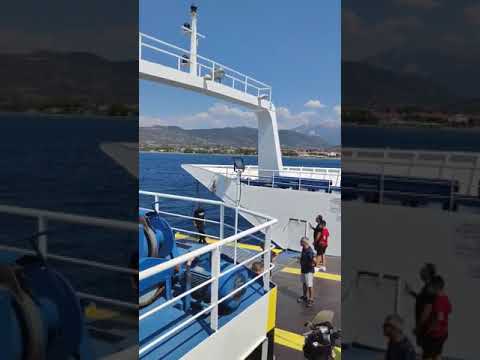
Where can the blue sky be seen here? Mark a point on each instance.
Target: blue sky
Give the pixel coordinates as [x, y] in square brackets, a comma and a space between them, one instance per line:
[295, 49]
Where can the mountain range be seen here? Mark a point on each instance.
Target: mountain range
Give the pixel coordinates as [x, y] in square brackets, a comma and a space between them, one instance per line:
[426, 78]
[364, 84]
[229, 136]
[71, 77]
[457, 73]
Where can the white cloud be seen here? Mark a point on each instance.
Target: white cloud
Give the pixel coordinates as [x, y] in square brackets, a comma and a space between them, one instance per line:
[218, 115]
[314, 104]
[287, 120]
[338, 109]
[221, 115]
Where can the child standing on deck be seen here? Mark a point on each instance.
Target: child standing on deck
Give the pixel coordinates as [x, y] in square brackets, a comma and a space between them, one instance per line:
[307, 267]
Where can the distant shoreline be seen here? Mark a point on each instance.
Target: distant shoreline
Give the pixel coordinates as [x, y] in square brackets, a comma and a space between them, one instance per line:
[395, 126]
[68, 116]
[234, 155]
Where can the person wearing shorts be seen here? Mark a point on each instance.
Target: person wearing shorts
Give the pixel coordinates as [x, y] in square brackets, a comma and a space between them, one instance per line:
[307, 267]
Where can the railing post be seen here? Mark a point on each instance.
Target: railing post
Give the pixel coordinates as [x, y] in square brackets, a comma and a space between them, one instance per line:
[157, 206]
[236, 231]
[266, 260]
[42, 239]
[214, 288]
[139, 47]
[246, 82]
[222, 221]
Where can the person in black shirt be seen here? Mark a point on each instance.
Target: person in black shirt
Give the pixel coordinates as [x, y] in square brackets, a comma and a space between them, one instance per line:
[399, 347]
[199, 223]
[317, 232]
[307, 268]
[317, 228]
[425, 297]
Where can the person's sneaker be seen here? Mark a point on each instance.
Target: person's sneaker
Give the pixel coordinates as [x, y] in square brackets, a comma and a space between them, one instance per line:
[317, 269]
[301, 299]
[309, 303]
[323, 268]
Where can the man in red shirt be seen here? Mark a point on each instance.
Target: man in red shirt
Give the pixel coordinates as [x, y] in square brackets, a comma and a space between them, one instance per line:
[321, 244]
[435, 321]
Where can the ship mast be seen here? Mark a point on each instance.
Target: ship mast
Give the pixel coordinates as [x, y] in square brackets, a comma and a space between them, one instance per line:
[194, 36]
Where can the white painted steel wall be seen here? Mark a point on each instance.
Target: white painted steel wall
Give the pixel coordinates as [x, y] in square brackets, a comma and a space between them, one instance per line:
[241, 334]
[282, 204]
[455, 238]
[269, 154]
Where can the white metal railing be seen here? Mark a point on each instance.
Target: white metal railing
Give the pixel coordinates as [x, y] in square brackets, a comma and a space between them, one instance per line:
[215, 250]
[43, 217]
[334, 175]
[377, 188]
[206, 68]
[461, 166]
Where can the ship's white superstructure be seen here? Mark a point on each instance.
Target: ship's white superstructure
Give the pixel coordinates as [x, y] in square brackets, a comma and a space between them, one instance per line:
[294, 195]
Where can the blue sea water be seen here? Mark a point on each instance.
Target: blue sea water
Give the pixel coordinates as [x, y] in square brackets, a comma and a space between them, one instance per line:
[55, 163]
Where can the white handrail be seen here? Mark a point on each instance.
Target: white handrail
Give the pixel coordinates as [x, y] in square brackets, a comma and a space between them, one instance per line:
[205, 220]
[42, 227]
[211, 66]
[203, 250]
[204, 311]
[216, 273]
[69, 218]
[68, 259]
[177, 197]
[332, 174]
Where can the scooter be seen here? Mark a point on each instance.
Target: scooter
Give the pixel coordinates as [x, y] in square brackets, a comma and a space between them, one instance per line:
[321, 339]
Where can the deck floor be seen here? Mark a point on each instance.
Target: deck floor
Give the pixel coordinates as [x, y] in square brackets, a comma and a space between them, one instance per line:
[291, 316]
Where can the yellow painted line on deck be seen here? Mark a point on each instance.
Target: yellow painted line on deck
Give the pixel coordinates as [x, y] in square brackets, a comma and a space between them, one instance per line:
[320, 275]
[289, 339]
[93, 312]
[240, 245]
[295, 341]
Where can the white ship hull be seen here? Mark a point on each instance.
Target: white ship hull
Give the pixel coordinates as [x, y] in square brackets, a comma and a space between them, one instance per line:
[294, 209]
